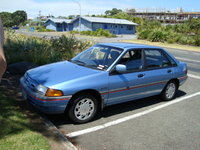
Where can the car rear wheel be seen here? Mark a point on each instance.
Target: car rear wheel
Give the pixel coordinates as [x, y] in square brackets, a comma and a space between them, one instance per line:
[83, 109]
[169, 91]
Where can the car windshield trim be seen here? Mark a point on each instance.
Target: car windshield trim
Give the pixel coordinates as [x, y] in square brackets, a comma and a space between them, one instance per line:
[78, 62]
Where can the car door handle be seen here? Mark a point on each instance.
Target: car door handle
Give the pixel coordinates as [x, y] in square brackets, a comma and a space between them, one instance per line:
[169, 71]
[140, 75]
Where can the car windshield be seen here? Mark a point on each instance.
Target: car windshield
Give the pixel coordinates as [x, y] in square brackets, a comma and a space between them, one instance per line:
[97, 57]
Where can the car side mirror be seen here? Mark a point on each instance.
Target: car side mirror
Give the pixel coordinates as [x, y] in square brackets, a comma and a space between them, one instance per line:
[120, 68]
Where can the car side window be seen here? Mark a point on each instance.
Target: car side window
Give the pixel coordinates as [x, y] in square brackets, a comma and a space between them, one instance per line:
[133, 60]
[155, 59]
[114, 53]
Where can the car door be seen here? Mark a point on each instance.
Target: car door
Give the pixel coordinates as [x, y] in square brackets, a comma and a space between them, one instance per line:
[143, 78]
[158, 70]
[125, 86]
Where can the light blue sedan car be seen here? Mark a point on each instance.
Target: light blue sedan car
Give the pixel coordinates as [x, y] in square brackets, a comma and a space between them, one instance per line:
[103, 75]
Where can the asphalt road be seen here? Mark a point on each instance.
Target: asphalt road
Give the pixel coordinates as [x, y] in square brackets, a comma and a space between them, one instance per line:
[147, 123]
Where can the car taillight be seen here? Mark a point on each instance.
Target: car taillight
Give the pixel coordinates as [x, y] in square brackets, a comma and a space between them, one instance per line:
[186, 70]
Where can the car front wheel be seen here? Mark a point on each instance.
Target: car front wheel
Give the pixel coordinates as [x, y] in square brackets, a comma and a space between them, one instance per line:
[169, 91]
[83, 109]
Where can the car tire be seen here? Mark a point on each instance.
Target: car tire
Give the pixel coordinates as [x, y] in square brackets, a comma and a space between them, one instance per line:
[83, 109]
[169, 92]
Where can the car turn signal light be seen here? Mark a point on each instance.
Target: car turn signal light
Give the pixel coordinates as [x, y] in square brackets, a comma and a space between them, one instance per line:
[53, 93]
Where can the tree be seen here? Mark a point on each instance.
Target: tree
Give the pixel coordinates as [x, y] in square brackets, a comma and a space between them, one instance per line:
[19, 17]
[107, 12]
[131, 11]
[137, 20]
[71, 16]
[11, 19]
[62, 17]
[122, 15]
[7, 19]
[112, 12]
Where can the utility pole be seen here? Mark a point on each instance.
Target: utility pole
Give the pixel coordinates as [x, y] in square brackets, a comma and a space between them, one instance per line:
[79, 14]
[39, 17]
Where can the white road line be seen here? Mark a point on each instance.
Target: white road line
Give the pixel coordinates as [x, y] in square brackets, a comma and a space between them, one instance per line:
[121, 120]
[191, 60]
[193, 76]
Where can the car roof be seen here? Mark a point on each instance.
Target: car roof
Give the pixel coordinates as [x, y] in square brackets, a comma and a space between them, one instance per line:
[127, 45]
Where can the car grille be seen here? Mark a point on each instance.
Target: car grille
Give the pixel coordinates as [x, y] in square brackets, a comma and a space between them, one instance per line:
[30, 82]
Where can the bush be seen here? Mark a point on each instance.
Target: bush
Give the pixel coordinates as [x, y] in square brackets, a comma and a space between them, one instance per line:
[197, 40]
[151, 24]
[73, 32]
[173, 37]
[144, 34]
[157, 36]
[194, 25]
[181, 28]
[171, 41]
[21, 48]
[98, 32]
[41, 51]
[186, 40]
[43, 29]
[48, 30]
[183, 33]
[69, 46]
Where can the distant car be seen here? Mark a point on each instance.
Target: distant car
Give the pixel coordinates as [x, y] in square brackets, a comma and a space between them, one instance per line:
[103, 75]
[15, 28]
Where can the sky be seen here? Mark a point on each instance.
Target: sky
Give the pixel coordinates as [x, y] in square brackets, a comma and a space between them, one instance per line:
[90, 7]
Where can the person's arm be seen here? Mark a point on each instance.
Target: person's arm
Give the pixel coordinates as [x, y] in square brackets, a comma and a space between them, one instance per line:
[2, 56]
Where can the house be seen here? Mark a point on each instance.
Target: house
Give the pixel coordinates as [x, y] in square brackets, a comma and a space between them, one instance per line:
[115, 26]
[59, 24]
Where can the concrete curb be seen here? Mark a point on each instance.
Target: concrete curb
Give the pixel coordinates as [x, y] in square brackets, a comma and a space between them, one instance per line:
[65, 142]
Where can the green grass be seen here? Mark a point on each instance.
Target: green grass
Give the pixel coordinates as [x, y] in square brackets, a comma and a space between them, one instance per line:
[16, 132]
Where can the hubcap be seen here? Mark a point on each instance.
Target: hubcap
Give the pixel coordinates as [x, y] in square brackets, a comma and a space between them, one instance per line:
[170, 90]
[84, 109]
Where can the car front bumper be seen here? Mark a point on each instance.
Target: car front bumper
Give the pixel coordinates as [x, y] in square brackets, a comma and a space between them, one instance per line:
[48, 105]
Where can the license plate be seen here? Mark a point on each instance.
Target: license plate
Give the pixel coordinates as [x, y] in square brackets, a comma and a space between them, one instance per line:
[24, 95]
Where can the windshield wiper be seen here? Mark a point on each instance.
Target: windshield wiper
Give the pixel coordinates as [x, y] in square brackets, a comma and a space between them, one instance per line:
[78, 62]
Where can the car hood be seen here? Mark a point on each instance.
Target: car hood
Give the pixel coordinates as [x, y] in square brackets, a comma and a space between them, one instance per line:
[52, 74]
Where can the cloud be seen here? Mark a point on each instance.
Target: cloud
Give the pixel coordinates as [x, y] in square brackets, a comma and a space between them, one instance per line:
[61, 8]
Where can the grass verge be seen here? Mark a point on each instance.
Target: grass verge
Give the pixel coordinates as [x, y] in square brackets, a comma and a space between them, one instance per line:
[176, 46]
[16, 132]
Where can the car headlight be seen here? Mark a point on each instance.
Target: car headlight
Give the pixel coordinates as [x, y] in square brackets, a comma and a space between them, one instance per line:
[49, 92]
[41, 88]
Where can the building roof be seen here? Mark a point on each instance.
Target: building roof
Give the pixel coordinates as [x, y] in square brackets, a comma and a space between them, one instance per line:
[60, 20]
[190, 13]
[97, 20]
[108, 20]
